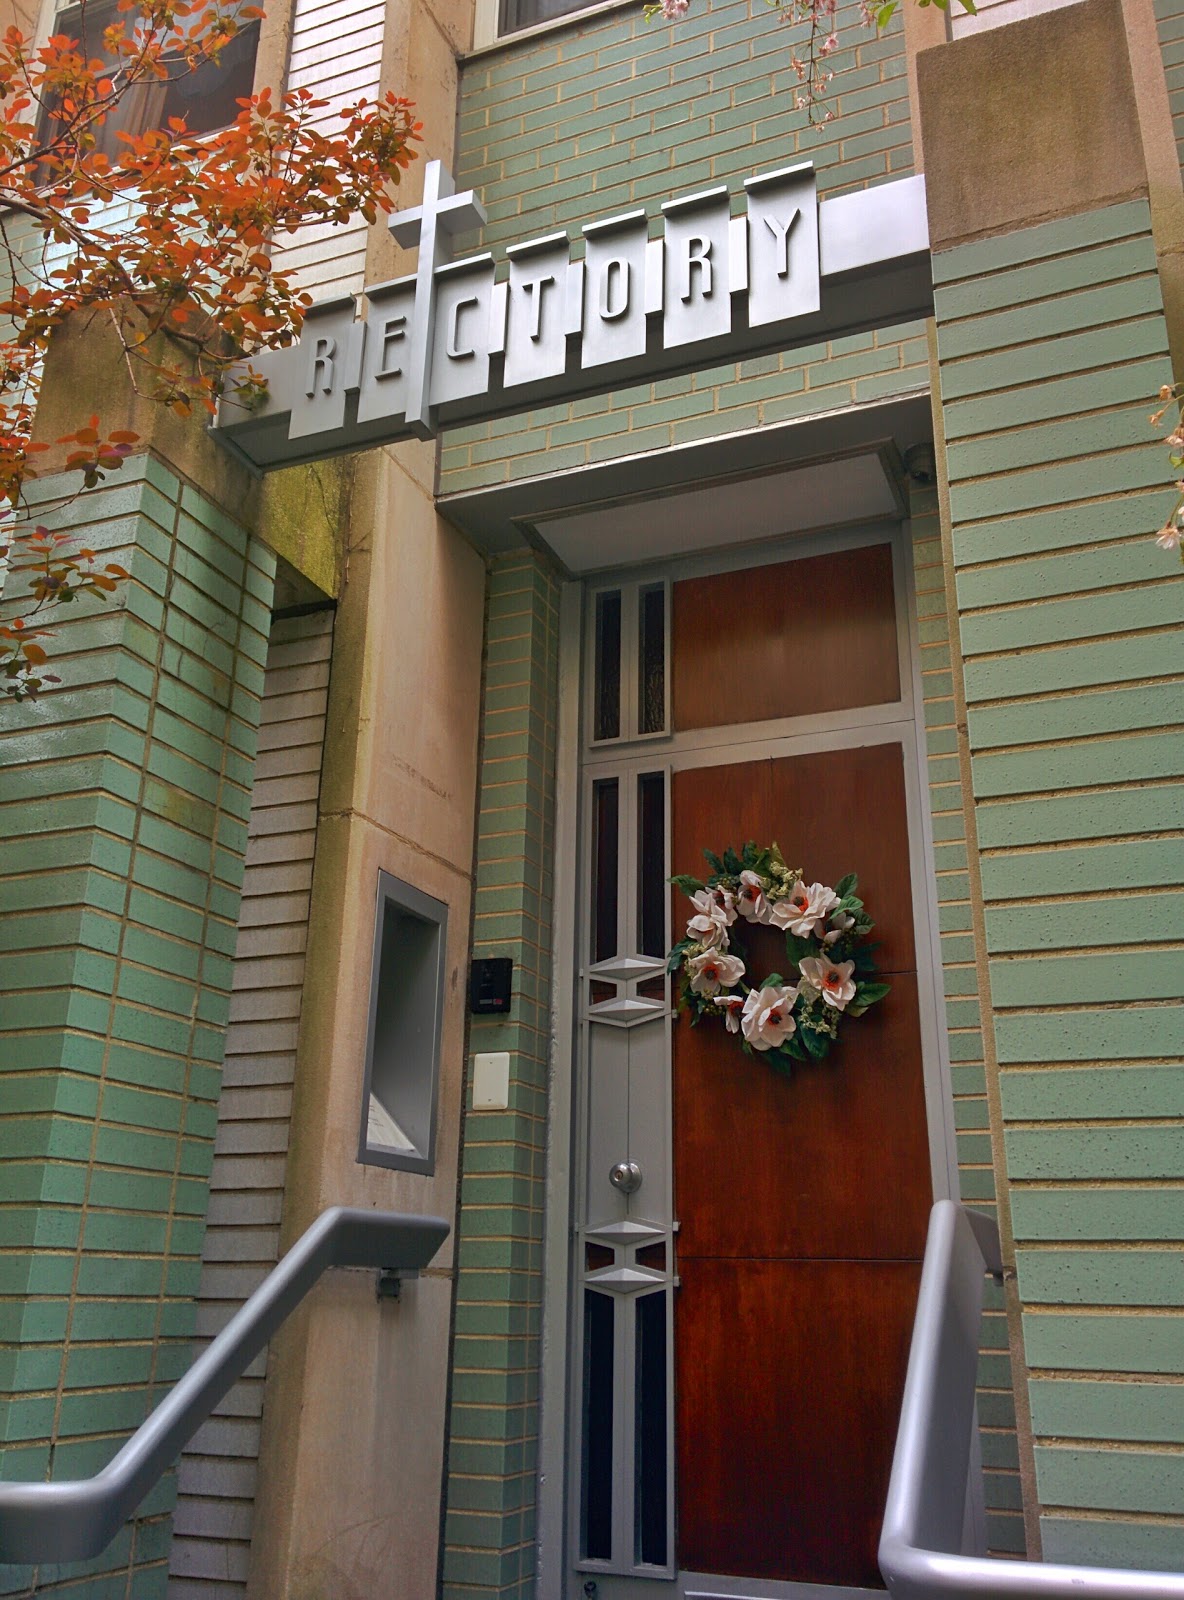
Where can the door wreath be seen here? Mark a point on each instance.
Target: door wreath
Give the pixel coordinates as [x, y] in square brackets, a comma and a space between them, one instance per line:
[825, 929]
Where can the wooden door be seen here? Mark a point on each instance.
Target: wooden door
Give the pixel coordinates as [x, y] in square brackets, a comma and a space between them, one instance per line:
[802, 1201]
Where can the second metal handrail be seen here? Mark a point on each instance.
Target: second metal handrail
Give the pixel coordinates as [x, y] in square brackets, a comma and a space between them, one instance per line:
[922, 1555]
[72, 1521]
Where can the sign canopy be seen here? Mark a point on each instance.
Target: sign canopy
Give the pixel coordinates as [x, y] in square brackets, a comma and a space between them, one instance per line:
[716, 277]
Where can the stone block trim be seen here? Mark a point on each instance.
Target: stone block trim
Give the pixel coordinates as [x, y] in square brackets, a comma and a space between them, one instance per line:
[948, 803]
[493, 1429]
[613, 113]
[124, 812]
[1052, 343]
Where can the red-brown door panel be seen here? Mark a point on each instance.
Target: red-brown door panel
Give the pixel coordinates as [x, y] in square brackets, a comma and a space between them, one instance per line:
[789, 1380]
[831, 1161]
[789, 640]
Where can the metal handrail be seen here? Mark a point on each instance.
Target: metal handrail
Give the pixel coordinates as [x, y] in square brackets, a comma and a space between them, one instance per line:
[922, 1554]
[71, 1521]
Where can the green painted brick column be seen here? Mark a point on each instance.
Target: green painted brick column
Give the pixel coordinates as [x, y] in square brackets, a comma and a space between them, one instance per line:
[124, 798]
[951, 807]
[493, 1431]
[1052, 345]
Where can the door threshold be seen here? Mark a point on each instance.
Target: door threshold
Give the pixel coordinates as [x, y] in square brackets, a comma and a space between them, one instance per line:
[704, 1586]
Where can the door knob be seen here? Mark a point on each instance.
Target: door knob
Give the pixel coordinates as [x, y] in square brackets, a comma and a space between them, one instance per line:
[625, 1176]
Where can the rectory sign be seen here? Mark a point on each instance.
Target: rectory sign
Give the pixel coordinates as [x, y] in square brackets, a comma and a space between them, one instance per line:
[459, 341]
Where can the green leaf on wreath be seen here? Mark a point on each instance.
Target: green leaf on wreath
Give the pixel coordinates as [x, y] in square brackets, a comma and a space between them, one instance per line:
[866, 994]
[685, 882]
[845, 885]
[773, 978]
[798, 948]
[674, 959]
[816, 1043]
[794, 1045]
[713, 861]
[732, 863]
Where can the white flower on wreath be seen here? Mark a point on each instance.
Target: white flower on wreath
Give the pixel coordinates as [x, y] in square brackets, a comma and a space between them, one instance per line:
[840, 923]
[710, 932]
[724, 902]
[731, 1005]
[767, 1019]
[832, 980]
[750, 897]
[713, 971]
[806, 909]
[709, 925]
[780, 913]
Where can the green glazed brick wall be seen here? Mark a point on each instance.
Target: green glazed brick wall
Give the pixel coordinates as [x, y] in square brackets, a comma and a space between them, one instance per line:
[493, 1432]
[612, 113]
[963, 1009]
[123, 803]
[1169, 18]
[1051, 343]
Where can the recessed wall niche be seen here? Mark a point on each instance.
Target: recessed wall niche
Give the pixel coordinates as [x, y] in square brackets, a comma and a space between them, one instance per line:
[403, 1040]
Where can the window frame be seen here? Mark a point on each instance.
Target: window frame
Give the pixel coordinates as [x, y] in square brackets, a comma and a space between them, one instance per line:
[140, 117]
[487, 34]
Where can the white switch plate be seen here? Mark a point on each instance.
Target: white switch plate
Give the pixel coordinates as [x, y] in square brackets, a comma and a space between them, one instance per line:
[491, 1081]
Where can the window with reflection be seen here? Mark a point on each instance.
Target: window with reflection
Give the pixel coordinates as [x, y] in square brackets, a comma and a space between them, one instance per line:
[206, 96]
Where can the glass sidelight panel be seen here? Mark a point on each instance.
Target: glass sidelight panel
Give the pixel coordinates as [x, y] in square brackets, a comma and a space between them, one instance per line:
[651, 659]
[649, 1432]
[607, 667]
[606, 845]
[597, 1509]
[651, 863]
[629, 663]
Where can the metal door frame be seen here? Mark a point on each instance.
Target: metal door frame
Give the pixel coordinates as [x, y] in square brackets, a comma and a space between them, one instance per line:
[901, 721]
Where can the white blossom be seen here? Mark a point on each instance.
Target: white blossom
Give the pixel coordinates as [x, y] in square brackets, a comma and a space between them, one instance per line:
[713, 971]
[708, 931]
[750, 898]
[832, 980]
[767, 1019]
[724, 902]
[731, 1005]
[808, 908]
[712, 918]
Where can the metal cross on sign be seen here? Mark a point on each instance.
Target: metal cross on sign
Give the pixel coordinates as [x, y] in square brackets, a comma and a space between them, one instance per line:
[442, 210]
[394, 354]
